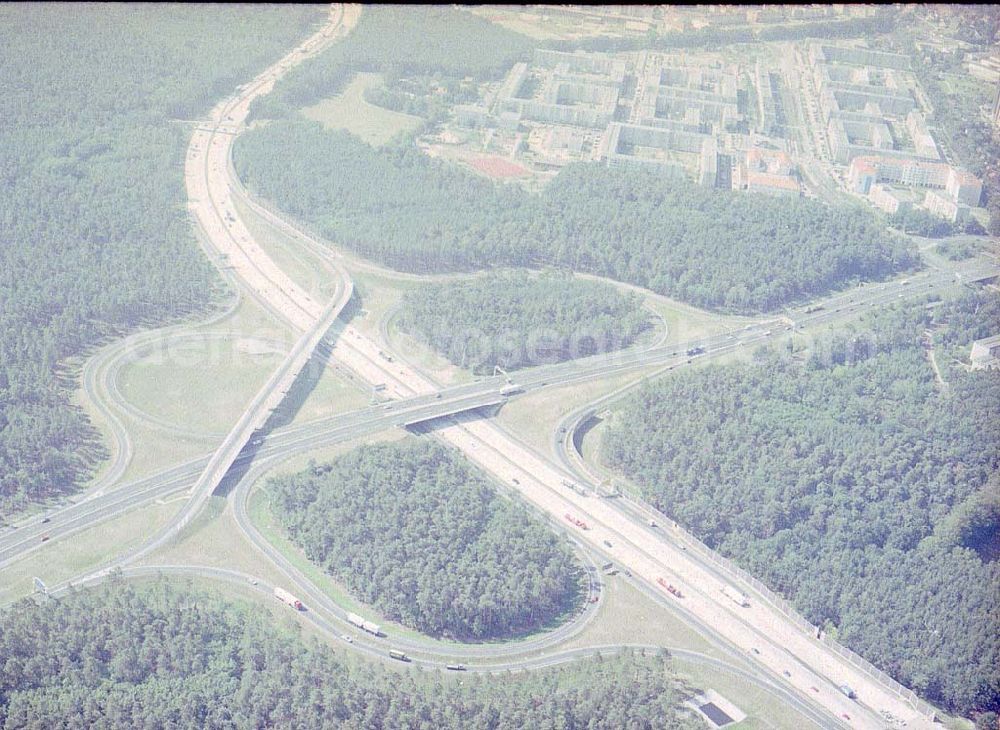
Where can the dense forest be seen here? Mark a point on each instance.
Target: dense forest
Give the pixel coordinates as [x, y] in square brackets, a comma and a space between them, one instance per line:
[96, 239]
[396, 41]
[851, 483]
[713, 248]
[153, 656]
[513, 320]
[417, 533]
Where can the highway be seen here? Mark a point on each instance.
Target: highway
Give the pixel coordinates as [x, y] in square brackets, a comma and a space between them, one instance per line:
[775, 641]
[365, 645]
[507, 460]
[69, 519]
[212, 209]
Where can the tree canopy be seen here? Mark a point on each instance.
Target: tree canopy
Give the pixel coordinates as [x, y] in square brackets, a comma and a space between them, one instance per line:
[95, 236]
[720, 249]
[416, 532]
[513, 320]
[398, 40]
[852, 484]
[159, 656]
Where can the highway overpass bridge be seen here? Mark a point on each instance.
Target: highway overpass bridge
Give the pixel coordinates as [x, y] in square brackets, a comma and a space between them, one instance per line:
[265, 402]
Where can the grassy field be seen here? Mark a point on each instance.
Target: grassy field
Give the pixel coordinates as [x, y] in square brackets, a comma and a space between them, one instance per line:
[532, 25]
[534, 417]
[215, 540]
[628, 616]
[351, 112]
[154, 450]
[249, 319]
[55, 562]
[200, 385]
[763, 710]
[333, 393]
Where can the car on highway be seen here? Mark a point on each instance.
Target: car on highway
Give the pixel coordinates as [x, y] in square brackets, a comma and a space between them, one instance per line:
[845, 716]
[44, 538]
[515, 480]
[755, 650]
[814, 688]
[46, 520]
[607, 543]
[787, 673]
[347, 638]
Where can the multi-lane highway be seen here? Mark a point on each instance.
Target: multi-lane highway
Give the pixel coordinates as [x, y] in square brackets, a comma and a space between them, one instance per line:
[363, 643]
[764, 636]
[73, 518]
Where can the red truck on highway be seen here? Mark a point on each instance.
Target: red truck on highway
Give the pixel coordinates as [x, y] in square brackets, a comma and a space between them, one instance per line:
[671, 589]
[576, 521]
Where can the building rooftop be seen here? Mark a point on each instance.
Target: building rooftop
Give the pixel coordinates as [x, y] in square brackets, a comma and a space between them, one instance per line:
[964, 176]
[871, 161]
[764, 179]
[759, 154]
[990, 341]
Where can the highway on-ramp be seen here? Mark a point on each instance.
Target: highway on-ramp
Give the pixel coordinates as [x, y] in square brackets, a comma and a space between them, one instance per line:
[541, 483]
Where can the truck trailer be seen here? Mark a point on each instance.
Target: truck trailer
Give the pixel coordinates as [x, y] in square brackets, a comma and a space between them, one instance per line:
[287, 598]
[371, 628]
[736, 596]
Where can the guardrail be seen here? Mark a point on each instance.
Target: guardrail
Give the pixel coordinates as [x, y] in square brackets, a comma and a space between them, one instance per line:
[783, 606]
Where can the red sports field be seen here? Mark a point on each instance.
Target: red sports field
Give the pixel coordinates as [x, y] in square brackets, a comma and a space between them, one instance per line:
[498, 167]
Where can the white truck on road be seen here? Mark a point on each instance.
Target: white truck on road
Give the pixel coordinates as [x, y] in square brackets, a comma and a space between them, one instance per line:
[287, 598]
[371, 628]
[737, 596]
